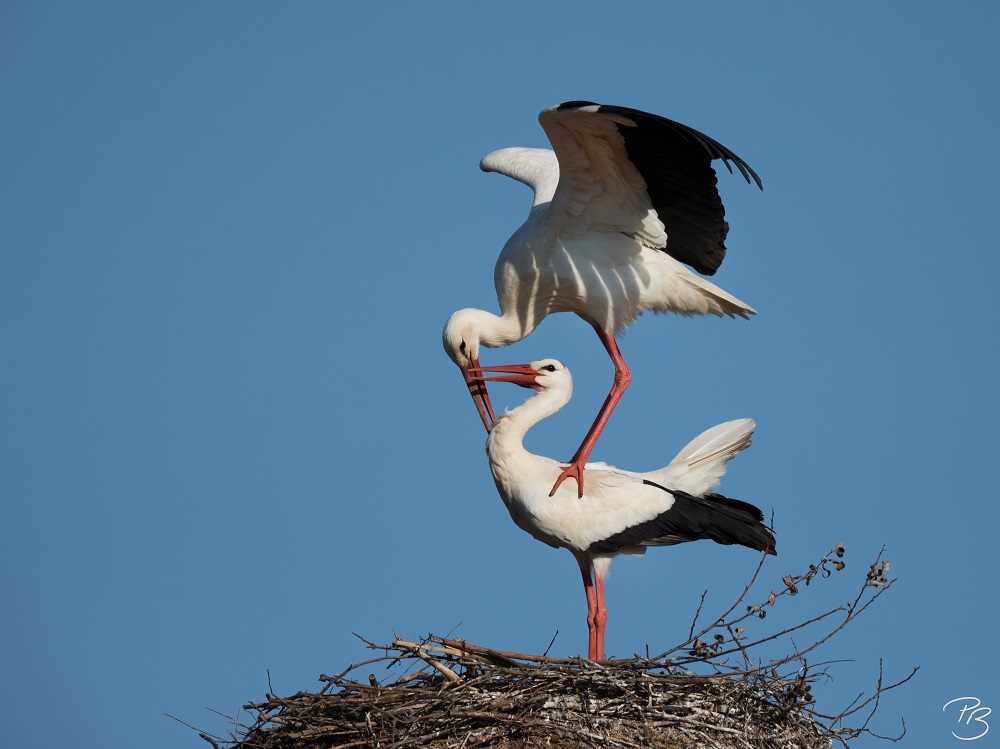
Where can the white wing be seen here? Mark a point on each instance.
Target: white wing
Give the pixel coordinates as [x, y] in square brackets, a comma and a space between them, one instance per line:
[702, 463]
[538, 168]
[600, 189]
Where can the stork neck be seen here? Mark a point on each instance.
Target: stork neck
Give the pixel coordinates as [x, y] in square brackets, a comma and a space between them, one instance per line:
[501, 330]
[512, 427]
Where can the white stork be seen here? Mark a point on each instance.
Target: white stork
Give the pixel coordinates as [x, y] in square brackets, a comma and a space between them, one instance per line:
[622, 512]
[622, 203]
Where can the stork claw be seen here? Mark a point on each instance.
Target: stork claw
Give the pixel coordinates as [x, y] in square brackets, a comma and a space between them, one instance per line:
[574, 470]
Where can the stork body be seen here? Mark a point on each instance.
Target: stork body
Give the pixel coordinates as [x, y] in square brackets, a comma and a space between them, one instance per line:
[622, 205]
[622, 512]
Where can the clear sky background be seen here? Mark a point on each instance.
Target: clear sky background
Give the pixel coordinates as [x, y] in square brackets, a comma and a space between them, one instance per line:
[230, 235]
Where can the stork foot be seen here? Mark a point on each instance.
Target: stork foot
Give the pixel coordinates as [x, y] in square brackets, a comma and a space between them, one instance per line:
[573, 470]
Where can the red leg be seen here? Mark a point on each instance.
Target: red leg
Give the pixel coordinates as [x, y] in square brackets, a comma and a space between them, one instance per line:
[622, 380]
[601, 617]
[588, 588]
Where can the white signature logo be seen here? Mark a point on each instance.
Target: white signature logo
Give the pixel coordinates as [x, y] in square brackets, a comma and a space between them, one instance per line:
[971, 712]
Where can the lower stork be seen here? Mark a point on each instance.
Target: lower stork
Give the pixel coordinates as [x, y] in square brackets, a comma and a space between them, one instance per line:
[620, 512]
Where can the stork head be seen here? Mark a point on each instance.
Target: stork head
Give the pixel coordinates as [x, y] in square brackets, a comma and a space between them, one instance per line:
[461, 339]
[552, 374]
[548, 376]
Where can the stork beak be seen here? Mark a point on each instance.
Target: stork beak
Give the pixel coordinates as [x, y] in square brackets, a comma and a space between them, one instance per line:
[520, 374]
[477, 389]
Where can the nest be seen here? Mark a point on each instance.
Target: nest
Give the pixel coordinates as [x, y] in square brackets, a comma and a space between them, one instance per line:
[449, 694]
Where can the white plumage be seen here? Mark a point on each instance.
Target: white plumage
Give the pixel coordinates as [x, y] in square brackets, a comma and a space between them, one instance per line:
[620, 511]
[622, 205]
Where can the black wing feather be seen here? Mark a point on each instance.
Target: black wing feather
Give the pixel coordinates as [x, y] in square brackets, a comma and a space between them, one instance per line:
[712, 517]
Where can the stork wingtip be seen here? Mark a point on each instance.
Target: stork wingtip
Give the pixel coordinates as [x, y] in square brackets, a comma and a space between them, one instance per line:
[484, 163]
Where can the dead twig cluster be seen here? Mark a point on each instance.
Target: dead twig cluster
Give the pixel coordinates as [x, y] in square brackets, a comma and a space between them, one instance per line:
[707, 692]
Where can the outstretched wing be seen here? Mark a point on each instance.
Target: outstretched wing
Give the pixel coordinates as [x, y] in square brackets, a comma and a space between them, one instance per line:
[629, 171]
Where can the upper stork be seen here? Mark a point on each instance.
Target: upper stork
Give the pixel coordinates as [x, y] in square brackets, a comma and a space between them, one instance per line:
[624, 202]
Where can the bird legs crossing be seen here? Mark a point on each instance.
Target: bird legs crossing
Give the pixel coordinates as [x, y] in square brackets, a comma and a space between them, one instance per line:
[622, 379]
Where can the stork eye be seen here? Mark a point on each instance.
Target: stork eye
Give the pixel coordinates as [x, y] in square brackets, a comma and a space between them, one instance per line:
[549, 367]
[462, 347]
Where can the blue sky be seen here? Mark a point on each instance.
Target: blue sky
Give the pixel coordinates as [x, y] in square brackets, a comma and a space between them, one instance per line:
[231, 234]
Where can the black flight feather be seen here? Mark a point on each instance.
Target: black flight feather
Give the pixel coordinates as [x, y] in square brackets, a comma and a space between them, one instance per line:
[712, 516]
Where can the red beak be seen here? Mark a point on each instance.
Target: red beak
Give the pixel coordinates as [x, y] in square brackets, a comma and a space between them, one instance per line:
[520, 374]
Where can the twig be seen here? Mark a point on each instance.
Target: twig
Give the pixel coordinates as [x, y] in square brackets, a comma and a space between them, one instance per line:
[418, 651]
